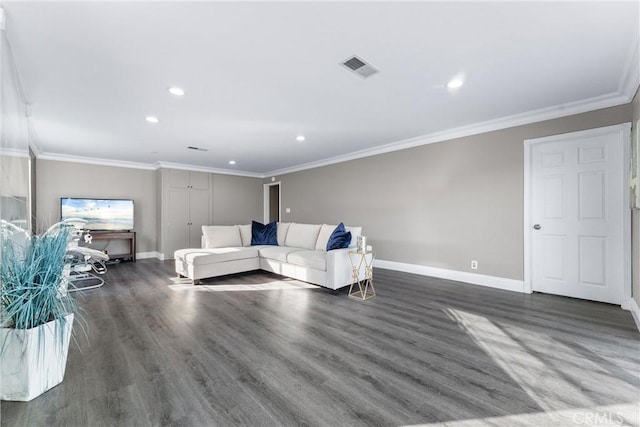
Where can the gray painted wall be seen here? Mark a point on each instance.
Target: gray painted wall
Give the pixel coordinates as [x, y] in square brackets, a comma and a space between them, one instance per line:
[236, 200]
[438, 205]
[64, 179]
[158, 190]
[14, 176]
[15, 190]
[635, 219]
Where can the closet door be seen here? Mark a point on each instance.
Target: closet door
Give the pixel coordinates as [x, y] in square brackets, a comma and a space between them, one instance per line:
[199, 181]
[199, 215]
[199, 206]
[177, 226]
[185, 209]
[179, 178]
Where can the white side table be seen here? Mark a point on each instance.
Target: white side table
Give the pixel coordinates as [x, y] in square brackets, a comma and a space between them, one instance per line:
[360, 260]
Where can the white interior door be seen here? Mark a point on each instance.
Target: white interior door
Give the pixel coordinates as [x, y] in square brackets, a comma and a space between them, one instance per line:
[577, 215]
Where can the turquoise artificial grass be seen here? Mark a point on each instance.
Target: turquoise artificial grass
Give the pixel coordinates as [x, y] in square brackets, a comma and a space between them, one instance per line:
[31, 278]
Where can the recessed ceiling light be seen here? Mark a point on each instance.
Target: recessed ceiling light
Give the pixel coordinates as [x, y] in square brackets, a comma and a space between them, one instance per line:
[455, 83]
[177, 91]
[300, 138]
[232, 162]
[152, 119]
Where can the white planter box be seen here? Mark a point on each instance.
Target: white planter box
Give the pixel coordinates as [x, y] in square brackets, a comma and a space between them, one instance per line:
[33, 361]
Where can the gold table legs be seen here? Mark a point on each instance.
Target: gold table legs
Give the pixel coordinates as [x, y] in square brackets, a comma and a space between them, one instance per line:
[360, 260]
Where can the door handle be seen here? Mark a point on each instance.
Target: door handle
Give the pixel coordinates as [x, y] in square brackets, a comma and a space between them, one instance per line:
[537, 227]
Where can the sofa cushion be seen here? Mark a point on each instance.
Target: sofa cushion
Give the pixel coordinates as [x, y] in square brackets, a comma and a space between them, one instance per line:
[355, 232]
[263, 234]
[245, 234]
[340, 238]
[310, 259]
[277, 252]
[283, 227]
[323, 236]
[214, 255]
[302, 235]
[221, 236]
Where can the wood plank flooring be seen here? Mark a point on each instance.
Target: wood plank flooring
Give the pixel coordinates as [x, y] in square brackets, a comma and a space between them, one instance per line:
[257, 349]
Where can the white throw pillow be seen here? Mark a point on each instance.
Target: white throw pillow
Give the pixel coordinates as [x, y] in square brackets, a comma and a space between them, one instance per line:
[221, 236]
[323, 236]
[302, 235]
[283, 227]
[245, 234]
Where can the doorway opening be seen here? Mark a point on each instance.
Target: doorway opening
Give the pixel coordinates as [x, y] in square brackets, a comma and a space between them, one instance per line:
[272, 211]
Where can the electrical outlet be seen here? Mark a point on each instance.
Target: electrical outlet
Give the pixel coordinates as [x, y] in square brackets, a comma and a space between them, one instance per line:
[288, 210]
[474, 264]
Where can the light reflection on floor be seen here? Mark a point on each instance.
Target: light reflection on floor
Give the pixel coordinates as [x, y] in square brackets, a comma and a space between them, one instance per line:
[527, 357]
[295, 304]
[533, 374]
[611, 415]
[185, 284]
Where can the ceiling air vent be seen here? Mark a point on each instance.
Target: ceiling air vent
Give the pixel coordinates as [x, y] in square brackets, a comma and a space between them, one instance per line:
[196, 148]
[359, 66]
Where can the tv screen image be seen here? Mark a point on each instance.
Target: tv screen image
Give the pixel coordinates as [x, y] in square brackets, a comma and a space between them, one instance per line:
[101, 214]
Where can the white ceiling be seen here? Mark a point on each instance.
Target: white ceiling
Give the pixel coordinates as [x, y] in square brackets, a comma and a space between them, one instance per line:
[258, 74]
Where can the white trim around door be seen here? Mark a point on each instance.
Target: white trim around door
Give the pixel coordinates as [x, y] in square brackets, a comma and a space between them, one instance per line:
[625, 131]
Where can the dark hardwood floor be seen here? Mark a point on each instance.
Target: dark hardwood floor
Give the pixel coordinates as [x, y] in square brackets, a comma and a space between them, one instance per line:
[258, 349]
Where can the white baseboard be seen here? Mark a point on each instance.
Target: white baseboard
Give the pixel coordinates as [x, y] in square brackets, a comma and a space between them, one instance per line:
[459, 276]
[161, 257]
[147, 255]
[631, 305]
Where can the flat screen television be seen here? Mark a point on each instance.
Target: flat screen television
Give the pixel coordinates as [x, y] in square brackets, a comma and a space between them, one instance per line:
[101, 214]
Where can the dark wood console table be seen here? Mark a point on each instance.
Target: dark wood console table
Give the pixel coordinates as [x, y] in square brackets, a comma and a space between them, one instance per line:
[119, 235]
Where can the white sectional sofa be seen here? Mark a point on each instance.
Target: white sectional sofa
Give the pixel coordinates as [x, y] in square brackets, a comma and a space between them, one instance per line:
[300, 254]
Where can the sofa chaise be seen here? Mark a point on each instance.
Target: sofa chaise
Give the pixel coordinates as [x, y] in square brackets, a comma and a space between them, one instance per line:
[300, 254]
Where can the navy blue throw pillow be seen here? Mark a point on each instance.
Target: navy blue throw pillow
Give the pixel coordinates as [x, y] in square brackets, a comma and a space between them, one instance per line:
[339, 239]
[264, 234]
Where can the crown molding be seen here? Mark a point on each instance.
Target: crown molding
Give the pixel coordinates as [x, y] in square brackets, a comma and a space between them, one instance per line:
[629, 85]
[138, 165]
[35, 149]
[543, 114]
[94, 161]
[193, 168]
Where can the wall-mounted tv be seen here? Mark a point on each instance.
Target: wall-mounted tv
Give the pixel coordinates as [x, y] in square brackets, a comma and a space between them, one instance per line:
[101, 214]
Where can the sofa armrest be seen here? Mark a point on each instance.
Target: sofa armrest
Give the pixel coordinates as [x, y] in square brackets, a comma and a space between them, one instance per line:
[339, 269]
